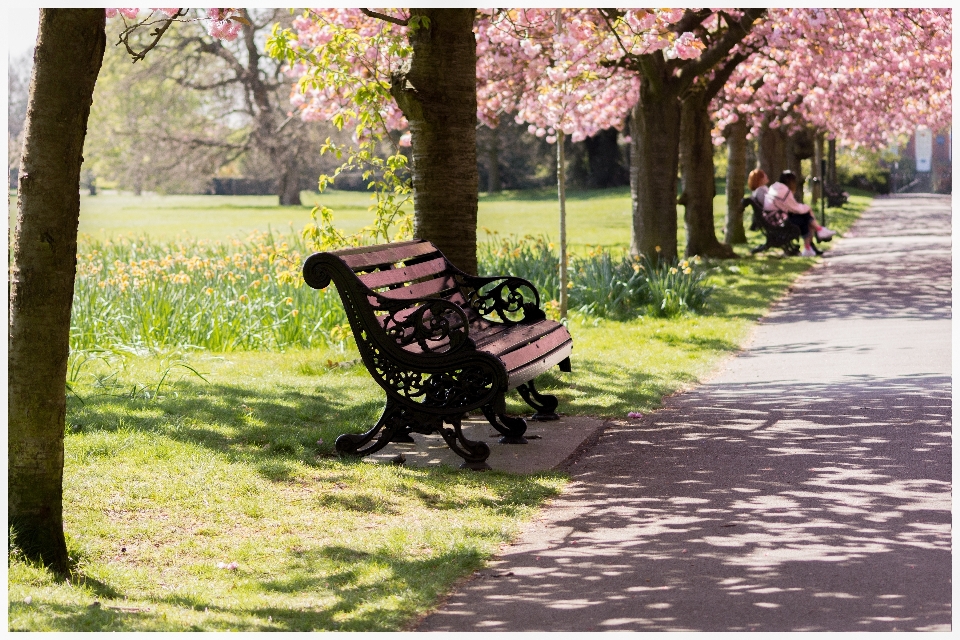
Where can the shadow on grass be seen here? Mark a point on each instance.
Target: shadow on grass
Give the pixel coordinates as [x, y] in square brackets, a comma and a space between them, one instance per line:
[594, 388]
[271, 428]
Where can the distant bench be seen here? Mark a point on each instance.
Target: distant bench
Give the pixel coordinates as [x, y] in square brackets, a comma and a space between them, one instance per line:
[441, 342]
[834, 195]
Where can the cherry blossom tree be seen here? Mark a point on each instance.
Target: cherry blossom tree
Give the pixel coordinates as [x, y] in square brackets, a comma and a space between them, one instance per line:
[379, 72]
[860, 76]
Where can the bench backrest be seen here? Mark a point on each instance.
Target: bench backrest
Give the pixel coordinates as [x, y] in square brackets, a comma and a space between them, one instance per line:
[385, 277]
[405, 271]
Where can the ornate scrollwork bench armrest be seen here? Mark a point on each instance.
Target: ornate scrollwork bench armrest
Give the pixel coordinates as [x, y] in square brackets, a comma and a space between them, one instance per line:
[504, 299]
[437, 326]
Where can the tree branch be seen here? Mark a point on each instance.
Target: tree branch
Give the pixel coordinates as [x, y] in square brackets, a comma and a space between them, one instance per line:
[385, 17]
[713, 55]
[723, 74]
[157, 34]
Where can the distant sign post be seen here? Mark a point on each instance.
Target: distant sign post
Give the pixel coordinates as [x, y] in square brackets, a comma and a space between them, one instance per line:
[923, 146]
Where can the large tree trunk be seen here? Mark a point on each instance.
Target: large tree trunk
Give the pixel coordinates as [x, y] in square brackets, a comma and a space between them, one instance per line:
[801, 147]
[654, 148]
[69, 52]
[771, 151]
[438, 96]
[699, 188]
[736, 179]
[753, 161]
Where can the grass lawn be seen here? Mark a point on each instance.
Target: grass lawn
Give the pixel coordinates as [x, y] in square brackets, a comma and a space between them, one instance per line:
[181, 463]
[595, 217]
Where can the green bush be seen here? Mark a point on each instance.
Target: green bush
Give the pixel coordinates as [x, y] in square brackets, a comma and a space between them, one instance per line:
[531, 258]
[601, 283]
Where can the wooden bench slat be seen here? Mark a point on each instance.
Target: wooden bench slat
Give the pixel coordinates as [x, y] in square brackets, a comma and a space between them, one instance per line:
[374, 247]
[421, 289]
[390, 277]
[535, 368]
[503, 341]
[535, 350]
[388, 255]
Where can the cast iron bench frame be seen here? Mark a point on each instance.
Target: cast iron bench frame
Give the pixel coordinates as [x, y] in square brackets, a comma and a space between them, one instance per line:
[441, 343]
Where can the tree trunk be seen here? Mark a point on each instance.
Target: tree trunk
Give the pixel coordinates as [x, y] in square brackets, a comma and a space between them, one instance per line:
[288, 184]
[699, 188]
[771, 152]
[494, 184]
[752, 160]
[654, 149]
[794, 165]
[605, 166]
[70, 46]
[736, 179]
[438, 96]
[832, 161]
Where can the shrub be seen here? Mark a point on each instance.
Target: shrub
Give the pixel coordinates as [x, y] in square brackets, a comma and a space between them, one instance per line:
[531, 258]
[602, 284]
[674, 288]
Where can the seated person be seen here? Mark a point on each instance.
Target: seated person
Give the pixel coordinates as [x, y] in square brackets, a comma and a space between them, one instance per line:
[780, 207]
[757, 183]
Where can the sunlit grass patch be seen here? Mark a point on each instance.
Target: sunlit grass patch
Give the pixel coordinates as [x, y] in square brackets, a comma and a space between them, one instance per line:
[163, 493]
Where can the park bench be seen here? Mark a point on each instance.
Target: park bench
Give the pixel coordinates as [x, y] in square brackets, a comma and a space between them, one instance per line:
[835, 197]
[785, 236]
[441, 343]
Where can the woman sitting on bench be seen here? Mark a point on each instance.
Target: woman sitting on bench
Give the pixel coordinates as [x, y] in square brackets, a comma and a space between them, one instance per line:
[780, 207]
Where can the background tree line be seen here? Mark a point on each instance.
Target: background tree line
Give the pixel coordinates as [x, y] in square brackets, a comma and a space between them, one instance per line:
[185, 121]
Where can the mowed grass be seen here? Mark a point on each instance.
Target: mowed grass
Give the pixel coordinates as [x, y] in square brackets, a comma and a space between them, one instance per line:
[600, 217]
[594, 217]
[180, 463]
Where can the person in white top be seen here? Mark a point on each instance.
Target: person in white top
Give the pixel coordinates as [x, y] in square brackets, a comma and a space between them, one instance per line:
[780, 207]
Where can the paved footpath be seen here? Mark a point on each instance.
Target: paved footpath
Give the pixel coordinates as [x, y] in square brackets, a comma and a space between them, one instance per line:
[805, 487]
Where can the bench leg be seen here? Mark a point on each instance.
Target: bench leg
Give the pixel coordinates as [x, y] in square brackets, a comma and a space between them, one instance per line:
[511, 428]
[394, 422]
[544, 405]
[474, 453]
